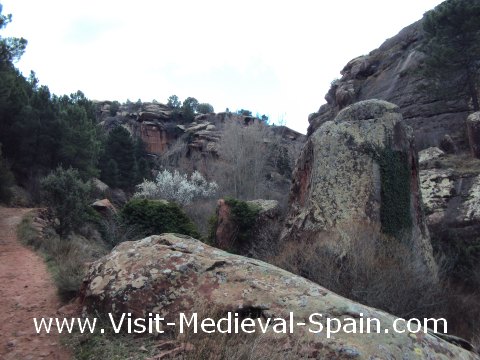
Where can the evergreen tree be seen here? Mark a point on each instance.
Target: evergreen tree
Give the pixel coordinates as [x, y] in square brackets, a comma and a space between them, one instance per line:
[452, 48]
[68, 197]
[79, 145]
[6, 180]
[120, 147]
[189, 107]
[173, 102]
[143, 170]
[205, 108]
[143, 165]
[110, 173]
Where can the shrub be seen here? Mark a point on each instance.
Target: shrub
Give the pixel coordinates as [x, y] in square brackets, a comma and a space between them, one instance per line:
[66, 258]
[67, 197]
[156, 217]
[366, 266]
[176, 187]
[244, 215]
[205, 108]
[200, 211]
[114, 231]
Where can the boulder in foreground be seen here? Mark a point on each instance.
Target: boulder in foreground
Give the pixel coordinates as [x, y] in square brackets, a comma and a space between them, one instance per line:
[169, 274]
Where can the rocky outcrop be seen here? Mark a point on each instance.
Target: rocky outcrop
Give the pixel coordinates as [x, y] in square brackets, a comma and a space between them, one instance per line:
[391, 73]
[451, 196]
[473, 130]
[157, 136]
[172, 274]
[254, 237]
[361, 168]
[104, 207]
[429, 154]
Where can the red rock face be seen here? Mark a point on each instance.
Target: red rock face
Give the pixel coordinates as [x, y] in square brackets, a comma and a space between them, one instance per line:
[226, 228]
[301, 177]
[155, 138]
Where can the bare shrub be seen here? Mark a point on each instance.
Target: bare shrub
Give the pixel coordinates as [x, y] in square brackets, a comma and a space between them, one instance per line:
[115, 231]
[200, 212]
[366, 266]
[68, 258]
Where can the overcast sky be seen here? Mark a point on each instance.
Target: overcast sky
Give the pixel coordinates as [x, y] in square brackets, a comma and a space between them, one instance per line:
[272, 57]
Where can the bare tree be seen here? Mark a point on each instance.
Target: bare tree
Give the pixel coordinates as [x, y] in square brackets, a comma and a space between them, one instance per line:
[244, 150]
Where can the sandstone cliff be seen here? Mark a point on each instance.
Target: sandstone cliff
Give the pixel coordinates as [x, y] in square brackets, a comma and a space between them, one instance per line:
[390, 73]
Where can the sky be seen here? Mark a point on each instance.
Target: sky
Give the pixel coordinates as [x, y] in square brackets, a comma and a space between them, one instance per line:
[272, 57]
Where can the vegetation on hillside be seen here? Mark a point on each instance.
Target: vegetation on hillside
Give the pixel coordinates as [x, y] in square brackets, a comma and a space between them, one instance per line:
[452, 48]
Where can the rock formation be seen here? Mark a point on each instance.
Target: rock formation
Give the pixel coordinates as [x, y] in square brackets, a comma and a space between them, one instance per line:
[254, 239]
[430, 154]
[451, 194]
[361, 168]
[390, 73]
[170, 274]
[473, 130]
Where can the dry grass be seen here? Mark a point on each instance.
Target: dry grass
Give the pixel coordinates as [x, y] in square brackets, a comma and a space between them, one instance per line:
[381, 272]
[67, 259]
[461, 163]
[189, 345]
[366, 266]
[200, 212]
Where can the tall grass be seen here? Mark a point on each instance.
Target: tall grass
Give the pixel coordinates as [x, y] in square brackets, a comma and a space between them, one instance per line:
[67, 259]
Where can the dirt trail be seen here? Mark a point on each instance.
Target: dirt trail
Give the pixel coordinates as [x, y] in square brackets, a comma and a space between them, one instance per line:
[26, 291]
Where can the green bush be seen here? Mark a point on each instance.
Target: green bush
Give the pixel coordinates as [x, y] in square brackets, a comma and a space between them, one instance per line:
[153, 217]
[205, 108]
[244, 215]
[67, 197]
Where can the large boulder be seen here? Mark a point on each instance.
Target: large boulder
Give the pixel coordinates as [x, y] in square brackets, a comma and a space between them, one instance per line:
[361, 168]
[473, 130]
[172, 274]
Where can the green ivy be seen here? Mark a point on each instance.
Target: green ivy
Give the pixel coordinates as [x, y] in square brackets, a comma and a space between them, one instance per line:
[395, 213]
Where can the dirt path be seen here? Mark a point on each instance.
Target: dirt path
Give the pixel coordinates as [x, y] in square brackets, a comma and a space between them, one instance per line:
[26, 291]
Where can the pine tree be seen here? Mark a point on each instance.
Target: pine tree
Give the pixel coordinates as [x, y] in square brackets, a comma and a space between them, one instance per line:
[110, 173]
[6, 180]
[120, 148]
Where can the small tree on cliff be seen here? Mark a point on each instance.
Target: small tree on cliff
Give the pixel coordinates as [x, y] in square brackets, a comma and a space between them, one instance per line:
[452, 46]
[205, 108]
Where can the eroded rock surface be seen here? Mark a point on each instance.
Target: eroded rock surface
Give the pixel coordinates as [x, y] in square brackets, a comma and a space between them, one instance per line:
[473, 129]
[429, 154]
[360, 168]
[169, 274]
[452, 203]
[390, 73]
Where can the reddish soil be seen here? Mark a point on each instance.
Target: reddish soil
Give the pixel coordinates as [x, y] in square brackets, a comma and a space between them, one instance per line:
[26, 291]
